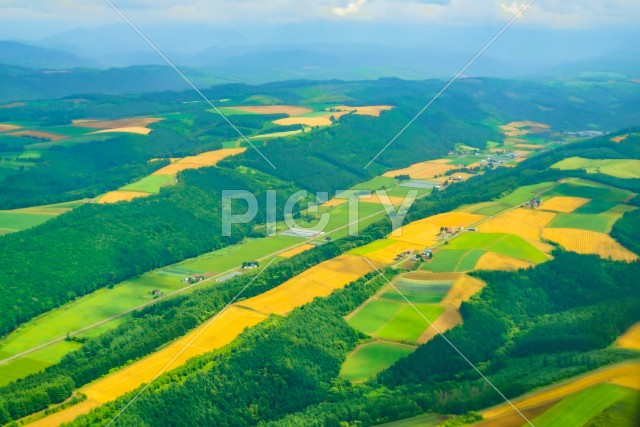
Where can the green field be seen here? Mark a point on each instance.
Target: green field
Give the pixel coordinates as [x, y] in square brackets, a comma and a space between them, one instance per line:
[599, 223]
[620, 168]
[577, 410]
[376, 183]
[233, 256]
[150, 184]
[16, 221]
[340, 218]
[372, 247]
[83, 312]
[374, 315]
[408, 324]
[454, 260]
[589, 190]
[393, 320]
[595, 207]
[491, 209]
[505, 244]
[525, 193]
[427, 292]
[369, 359]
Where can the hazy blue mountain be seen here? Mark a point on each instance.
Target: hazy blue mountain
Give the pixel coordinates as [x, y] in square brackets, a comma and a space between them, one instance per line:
[24, 55]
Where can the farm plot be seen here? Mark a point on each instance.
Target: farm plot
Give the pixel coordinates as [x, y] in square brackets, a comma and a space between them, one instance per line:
[295, 251]
[209, 158]
[589, 190]
[505, 244]
[134, 122]
[599, 223]
[494, 261]
[418, 291]
[620, 168]
[630, 339]
[567, 388]
[371, 110]
[589, 242]
[120, 196]
[394, 321]
[150, 184]
[12, 221]
[389, 253]
[425, 231]
[526, 223]
[564, 204]
[369, 359]
[422, 170]
[579, 409]
[454, 260]
[318, 281]
[289, 110]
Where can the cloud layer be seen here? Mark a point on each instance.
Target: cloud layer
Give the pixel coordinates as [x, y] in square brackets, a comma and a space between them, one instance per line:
[544, 13]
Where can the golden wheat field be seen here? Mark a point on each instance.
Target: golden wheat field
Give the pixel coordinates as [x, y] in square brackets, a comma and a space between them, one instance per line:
[564, 204]
[394, 200]
[494, 261]
[589, 242]
[295, 251]
[334, 202]
[523, 222]
[424, 232]
[618, 139]
[318, 281]
[422, 170]
[121, 196]
[371, 110]
[631, 338]
[290, 110]
[7, 128]
[449, 318]
[388, 254]
[129, 129]
[216, 333]
[463, 288]
[210, 158]
[566, 388]
[324, 120]
[121, 123]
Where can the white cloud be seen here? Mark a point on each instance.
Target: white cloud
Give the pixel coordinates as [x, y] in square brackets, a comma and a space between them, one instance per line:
[350, 9]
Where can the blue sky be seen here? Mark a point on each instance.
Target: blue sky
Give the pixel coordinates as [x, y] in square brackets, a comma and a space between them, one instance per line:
[39, 17]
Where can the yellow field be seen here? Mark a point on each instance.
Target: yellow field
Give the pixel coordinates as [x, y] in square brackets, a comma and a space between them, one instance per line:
[121, 196]
[387, 254]
[424, 232]
[494, 261]
[463, 288]
[334, 202]
[448, 319]
[296, 251]
[371, 110]
[515, 129]
[130, 129]
[617, 139]
[462, 175]
[589, 242]
[556, 392]
[290, 110]
[209, 158]
[631, 338]
[528, 146]
[375, 199]
[318, 281]
[311, 121]
[48, 135]
[564, 204]
[422, 170]
[7, 128]
[122, 123]
[66, 415]
[526, 223]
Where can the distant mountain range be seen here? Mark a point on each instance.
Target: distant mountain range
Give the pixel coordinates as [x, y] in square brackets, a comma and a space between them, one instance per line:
[34, 72]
